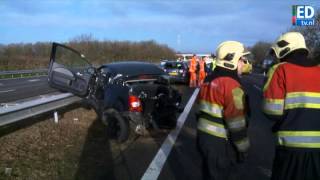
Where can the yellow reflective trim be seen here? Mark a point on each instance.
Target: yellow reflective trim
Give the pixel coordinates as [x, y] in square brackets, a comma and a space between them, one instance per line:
[301, 145]
[238, 118]
[287, 138]
[298, 94]
[203, 122]
[298, 133]
[303, 96]
[211, 104]
[274, 101]
[216, 107]
[270, 102]
[211, 123]
[236, 124]
[212, 133]
[272, 112]
[210, 113]
[302, 105]
[243, 144]
[270, 75]
[238, 99]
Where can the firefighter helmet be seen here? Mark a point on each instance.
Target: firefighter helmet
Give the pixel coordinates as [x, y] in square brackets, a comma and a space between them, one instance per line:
[288, 43]
[228, 54]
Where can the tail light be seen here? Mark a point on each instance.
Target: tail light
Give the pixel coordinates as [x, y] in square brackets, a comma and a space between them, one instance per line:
[135, 104]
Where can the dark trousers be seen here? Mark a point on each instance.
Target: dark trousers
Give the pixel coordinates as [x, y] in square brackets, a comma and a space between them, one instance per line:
[296, 164]
[218, 158]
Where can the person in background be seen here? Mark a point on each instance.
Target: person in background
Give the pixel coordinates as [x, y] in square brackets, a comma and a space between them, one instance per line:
[192, 71]
[202, 71]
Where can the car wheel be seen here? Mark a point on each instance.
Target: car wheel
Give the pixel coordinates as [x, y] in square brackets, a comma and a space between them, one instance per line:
[117, 126]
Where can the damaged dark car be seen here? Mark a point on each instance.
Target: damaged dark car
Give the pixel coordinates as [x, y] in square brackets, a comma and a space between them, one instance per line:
[125, 95]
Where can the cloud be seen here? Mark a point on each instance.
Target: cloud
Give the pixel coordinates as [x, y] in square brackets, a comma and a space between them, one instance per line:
[200, 24]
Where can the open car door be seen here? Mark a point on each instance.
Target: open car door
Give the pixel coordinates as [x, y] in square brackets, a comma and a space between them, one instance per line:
[69, 70]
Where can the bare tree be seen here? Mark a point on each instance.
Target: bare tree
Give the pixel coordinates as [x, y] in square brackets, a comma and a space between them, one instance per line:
[259, 51]
[29, 56]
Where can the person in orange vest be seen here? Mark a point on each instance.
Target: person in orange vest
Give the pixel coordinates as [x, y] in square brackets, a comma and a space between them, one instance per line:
[202, 71]
[222, 137]
[292, 101]
[192, 71]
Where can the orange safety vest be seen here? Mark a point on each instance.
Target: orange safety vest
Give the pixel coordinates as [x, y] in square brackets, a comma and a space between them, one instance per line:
[193, 65]
[202, 72]
[202, 64]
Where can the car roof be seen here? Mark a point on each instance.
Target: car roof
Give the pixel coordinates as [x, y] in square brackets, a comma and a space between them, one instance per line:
[133, 68]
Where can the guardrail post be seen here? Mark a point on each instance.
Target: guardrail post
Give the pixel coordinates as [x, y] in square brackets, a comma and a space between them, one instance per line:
[56, 118]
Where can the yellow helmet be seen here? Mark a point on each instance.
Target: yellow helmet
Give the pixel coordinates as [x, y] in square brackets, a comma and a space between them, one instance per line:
[287, 43]
[228, 54]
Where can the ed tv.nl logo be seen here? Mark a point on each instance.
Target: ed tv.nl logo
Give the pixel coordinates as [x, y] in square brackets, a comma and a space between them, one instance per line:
[303, 15]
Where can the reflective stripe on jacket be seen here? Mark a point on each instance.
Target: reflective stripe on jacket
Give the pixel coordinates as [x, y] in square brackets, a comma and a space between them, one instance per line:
[292, 97]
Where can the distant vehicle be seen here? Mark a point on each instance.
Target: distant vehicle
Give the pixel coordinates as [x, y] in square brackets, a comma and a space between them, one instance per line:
[123, 94]
[266, 64]
[177, 70]
[247, 68]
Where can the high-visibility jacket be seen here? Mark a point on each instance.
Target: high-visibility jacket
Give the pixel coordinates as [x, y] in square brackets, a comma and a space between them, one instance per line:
[292, 98]
[193, 65]
[202, 70]
[202, 66]
[214, 64]
[221, 103]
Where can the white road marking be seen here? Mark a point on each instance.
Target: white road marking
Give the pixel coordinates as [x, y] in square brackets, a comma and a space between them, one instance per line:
[158, 161]
[257, 87]
[9, 90]
[34, 80]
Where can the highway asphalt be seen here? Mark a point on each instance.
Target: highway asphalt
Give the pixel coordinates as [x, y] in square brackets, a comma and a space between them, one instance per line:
[132, 159]
[184, 162]
[21, 88]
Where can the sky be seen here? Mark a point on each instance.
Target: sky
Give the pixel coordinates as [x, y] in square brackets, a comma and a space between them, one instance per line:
[196, 26]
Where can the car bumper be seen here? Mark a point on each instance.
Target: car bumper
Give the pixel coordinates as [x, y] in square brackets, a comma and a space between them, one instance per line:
[138, 122]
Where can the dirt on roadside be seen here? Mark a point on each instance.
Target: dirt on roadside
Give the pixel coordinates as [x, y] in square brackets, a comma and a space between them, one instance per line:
[46, 150]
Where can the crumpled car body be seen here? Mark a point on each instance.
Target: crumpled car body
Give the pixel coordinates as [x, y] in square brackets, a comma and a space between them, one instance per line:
[125, 95]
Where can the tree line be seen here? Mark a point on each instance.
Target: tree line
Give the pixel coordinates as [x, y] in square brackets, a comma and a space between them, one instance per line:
[36, 55]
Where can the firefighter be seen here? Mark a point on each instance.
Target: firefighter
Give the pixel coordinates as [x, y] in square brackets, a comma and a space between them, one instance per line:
[222, 127]
[292, 99]
[192, 71]
[202, 71]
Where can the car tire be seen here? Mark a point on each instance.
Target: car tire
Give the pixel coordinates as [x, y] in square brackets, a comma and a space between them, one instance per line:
[117, 125]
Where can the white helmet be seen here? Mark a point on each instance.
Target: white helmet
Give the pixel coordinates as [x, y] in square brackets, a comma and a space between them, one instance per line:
[287, 43]
[228, 54]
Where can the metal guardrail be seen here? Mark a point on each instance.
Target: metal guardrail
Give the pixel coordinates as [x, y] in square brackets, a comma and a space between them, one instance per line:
[22, 73]
[16, 112]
